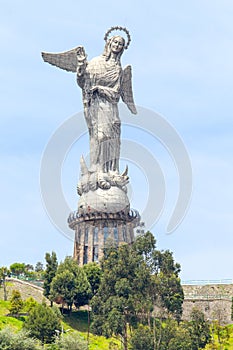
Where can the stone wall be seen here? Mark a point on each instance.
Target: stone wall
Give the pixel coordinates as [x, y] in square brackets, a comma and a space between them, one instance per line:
[214, 300]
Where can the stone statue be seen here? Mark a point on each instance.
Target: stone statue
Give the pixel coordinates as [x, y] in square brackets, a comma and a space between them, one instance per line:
[103, 82]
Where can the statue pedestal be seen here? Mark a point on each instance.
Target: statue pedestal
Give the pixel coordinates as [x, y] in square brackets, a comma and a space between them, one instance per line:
[103, 218]
[112, 200]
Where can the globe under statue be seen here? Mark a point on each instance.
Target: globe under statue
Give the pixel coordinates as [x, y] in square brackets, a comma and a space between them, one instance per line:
[104, 215]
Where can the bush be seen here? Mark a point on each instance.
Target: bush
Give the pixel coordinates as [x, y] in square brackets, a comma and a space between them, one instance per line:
[16, 303]
[42, 323]
[71, 342]
[17, 341]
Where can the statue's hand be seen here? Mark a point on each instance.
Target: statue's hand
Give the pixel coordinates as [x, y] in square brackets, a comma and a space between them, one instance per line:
[98, 89]
[81, 55]
[81, 61]
[94, 89]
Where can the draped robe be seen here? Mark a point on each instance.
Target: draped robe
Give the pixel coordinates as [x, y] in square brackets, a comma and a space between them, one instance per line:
[101, 83]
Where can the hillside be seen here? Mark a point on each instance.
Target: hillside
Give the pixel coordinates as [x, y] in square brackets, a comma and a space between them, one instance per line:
[77, 322]
[26, 290]
[200, 296]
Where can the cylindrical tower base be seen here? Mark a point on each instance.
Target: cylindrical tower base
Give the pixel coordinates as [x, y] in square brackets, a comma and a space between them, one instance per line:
[97, 230]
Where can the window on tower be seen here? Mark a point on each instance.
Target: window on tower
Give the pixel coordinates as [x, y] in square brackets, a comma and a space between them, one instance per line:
[105, 229]
[85, 256]
[95, 238]
[95, 254]
[86, 236]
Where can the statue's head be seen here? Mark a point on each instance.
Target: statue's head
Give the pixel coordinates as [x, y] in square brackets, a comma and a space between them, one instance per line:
[115, 45]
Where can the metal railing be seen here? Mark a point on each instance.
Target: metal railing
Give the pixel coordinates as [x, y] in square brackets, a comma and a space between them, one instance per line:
[207, 297]
[206, 282]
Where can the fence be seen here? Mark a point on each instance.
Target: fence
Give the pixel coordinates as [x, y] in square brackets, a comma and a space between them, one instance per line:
[206, 282]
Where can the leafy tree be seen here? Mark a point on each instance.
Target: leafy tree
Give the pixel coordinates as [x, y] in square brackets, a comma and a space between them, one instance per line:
[169, 293]
[222, 332]
[42, 322]
[29, 271]
[17, 341]
[71, 342]
[93, 273]
[16, 303]
[4, 272]
[181, 340]
[50, 272]
[17, 268]
[199, 330]
[163, 335]
[39, 267]
[122, 297]
[174, 336]
[135, 280]
[165, 290]
[29, 304]
[29, 267]
[63, 288]
[70, 285]
[142, 338]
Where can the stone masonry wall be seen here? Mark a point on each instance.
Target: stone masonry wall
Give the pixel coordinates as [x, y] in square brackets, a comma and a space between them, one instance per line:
[214, 300]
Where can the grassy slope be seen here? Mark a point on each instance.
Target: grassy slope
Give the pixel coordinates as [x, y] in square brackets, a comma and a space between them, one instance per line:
[6, 320]
[77, 322]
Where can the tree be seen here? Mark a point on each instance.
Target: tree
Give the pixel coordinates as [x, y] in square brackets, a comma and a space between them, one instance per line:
[63, 289]
[181, 340]
[42, 323]
[29, 271]
[39, 267]
[70, 285]
[16, 303]
[29, 304]
[50, 272]
[199, 330]
[222, 332]
[122, 297]
[135, 280]
[164, 335]
[4, 272]
[17, 268]
[17, 341]
[29, 267]
[142, 339]
[174, 336]
[93, 273]
[166, 291]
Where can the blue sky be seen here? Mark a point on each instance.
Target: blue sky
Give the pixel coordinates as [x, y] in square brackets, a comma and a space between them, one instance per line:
[182, 54]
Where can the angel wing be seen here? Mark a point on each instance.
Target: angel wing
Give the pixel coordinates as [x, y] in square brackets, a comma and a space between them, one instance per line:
[65, 60]
[126, 89]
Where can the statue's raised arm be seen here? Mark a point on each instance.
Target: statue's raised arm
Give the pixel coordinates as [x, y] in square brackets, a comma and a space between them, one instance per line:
[68, 60]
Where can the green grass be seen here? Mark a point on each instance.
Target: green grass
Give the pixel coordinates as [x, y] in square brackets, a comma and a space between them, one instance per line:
[15, 323]
[78, 321]
[4, 307]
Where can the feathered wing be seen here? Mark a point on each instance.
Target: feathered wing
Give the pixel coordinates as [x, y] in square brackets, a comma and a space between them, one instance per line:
[126, 89]
[65, 60]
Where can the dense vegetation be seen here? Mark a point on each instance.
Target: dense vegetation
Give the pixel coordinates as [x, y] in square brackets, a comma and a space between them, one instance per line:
[134, 298]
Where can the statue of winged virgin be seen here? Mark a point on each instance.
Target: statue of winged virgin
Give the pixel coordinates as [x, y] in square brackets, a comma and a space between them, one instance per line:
[103, 82]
